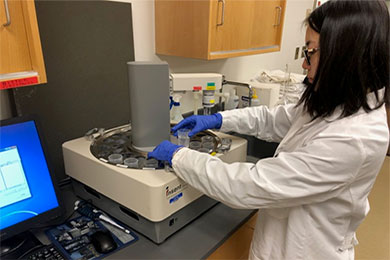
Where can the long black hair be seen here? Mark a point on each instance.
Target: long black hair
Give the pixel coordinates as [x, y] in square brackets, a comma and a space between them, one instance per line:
[354, 57]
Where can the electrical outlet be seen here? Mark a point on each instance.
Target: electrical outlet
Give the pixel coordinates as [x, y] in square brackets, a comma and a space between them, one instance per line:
[296, 53]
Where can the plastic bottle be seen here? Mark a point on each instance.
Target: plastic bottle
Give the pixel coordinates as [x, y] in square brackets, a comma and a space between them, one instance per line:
[233, 100]
[255, 100]
[175, 113]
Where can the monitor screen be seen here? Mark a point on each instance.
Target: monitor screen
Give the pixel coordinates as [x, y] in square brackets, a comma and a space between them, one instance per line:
[27, 193]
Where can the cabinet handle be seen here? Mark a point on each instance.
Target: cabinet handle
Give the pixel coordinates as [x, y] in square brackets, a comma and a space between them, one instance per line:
[223, 12]
[279, 15]
[7, 13]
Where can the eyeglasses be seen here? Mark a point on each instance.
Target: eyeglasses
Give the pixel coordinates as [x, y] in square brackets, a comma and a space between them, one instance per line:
[308, 52]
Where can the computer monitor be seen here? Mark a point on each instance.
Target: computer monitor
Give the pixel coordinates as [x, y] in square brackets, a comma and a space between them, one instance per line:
[28, 195]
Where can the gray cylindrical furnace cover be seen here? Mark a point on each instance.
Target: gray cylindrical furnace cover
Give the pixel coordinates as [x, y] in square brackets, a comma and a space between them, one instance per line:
[149, 104]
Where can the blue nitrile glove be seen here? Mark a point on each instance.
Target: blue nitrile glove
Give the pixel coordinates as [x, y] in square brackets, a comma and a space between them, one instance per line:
[199, 123]
[164, 151]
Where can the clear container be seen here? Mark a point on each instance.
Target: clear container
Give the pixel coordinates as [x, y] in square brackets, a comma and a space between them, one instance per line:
[115, 158]
[204, 150]
[141, 162]
[151, 163]
[233, 100]
[225, 144]
[182, 137]
[207, 138]
[195, 145]
[208, 145]
[131, 162]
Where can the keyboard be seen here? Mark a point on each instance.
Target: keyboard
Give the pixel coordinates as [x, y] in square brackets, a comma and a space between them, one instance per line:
[49, 252]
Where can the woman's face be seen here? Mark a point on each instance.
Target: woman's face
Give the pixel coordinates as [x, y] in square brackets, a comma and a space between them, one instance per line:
[312, 40]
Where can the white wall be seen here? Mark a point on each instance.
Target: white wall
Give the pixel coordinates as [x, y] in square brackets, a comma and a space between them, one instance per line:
[239, 69]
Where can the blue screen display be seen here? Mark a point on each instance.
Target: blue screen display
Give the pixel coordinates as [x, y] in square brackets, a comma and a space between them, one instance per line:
[26, 188]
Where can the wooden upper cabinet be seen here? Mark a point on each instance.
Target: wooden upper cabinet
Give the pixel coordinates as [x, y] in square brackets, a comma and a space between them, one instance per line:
[21, 61]
[215, 29]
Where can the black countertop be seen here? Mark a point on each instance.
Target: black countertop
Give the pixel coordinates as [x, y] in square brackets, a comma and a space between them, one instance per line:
[196, 240]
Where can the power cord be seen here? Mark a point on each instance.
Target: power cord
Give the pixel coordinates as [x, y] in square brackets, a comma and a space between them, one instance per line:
[58, 222]
[31, 250]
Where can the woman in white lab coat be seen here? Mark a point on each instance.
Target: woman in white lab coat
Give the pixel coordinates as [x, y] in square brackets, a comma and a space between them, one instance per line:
[312, 194]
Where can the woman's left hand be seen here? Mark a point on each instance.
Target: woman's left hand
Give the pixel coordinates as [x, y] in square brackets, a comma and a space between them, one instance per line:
[164, 151]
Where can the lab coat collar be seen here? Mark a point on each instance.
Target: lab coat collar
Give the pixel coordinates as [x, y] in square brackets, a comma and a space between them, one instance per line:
[371, 100]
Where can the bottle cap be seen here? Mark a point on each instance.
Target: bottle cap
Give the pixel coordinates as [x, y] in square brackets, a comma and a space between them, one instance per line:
[254, 93]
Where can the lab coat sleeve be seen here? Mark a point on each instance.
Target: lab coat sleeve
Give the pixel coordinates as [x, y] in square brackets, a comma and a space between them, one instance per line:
[313, 173]
[267, 124]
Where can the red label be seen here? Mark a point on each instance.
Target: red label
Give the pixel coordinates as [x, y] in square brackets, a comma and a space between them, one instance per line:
[14, 83]
[197, 88]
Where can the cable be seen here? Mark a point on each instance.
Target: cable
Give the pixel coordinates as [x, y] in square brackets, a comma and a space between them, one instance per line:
[56, 223]
[30, 250]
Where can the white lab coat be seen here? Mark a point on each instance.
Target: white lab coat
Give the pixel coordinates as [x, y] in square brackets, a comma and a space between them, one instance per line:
[312, 194]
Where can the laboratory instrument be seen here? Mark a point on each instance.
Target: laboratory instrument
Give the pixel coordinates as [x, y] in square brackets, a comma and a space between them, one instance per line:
[204, 85]
[147, 197]
[209, 86]
[151, 200]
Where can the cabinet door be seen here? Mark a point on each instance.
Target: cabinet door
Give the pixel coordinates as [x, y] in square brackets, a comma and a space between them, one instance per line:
[245, 27]
[267, 28]
[21, 62]
[182, 28]
[14, 49]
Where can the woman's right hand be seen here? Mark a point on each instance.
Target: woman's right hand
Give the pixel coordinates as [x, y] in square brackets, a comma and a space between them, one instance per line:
[199, 123]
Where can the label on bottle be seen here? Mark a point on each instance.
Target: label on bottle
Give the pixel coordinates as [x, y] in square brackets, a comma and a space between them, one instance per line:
[245, 101]
[208, 101]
